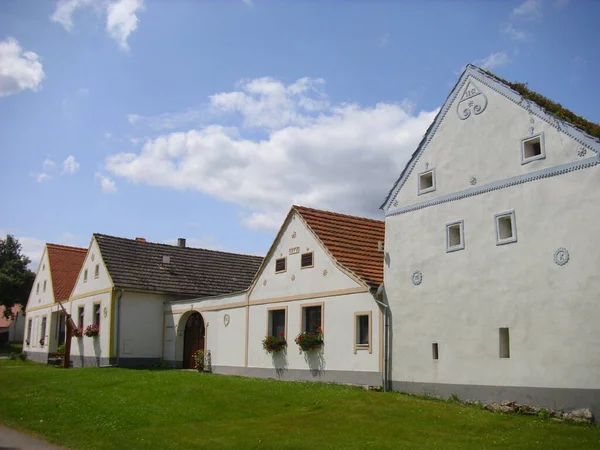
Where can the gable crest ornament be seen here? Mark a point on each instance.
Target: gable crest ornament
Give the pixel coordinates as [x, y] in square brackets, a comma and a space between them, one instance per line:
[472, 101]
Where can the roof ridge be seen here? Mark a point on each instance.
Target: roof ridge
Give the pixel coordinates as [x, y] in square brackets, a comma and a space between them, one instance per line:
[67, 247]
[178, 247]
[300, 207]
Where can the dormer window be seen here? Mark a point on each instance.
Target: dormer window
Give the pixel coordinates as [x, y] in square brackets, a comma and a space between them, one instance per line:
[533, 148]
[427, 181]
[280, 265]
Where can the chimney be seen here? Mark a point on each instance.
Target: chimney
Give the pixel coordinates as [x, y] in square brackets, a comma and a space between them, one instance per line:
[166, 259]
[181, 242]
[380, 246]
[139, 239]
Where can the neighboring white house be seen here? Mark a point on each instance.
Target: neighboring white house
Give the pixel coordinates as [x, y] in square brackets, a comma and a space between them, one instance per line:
[12, 329]
[45, 327]
[323, 270]
[123, 287]
[492, 254]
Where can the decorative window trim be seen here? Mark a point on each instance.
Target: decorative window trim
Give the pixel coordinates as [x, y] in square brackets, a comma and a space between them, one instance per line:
[269, 322]
[358, 346]
[542, 155]
[97, 271]
[461, 246]
[85, 275]
[429, 189]
[308, 305]
[513, 222]
[285, 264]
[312, 259]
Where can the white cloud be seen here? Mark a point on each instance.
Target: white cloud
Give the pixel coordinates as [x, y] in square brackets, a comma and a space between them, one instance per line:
[33, 249]
[493, 60]
[41, 177]
[513, 33]
[48, 164]
[19, 70]
[64, 11]
[121, 16]
[108, 185]
[344, 158]
[528, 9]
[70, 165]
[268, 103]
[122, 20]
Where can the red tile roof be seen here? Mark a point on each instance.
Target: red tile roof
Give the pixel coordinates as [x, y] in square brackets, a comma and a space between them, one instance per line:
[65, 264]
[351, 240]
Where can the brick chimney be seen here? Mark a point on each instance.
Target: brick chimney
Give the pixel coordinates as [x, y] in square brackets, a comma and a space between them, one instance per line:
[181, 242]
[139, 239]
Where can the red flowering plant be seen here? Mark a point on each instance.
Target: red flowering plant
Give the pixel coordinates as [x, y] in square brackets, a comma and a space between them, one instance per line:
[274, 343]
[310, 340]
[77, 332]
[92, 331]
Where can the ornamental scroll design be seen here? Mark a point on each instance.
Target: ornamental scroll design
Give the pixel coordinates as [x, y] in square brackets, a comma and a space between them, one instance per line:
[472, 101]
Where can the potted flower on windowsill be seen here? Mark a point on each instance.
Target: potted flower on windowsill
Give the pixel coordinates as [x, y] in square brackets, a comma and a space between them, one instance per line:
[274, 344]
[92, 331]
[310, 340]
[77, 332]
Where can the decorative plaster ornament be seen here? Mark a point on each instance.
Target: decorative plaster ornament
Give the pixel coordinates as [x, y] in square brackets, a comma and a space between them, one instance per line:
[226, 319]
[293, 235]
[324, 272]
[531, 131]
[264, 282]
[105, 311]
[472, 101]
[293, 277]
[473, 181]
[581, 152]
[416, 277]
[395, 203]
[561, 256]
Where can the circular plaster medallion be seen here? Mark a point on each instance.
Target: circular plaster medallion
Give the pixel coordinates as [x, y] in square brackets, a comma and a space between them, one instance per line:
[105, 311]
[416, 277]
[581, 152]
[561, 256]
[226, 319]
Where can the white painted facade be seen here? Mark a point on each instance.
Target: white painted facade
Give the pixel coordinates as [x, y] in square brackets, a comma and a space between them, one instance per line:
[460, 299]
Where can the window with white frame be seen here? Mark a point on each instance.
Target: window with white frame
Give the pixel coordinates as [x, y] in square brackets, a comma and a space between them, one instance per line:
[362, 331]
[280, 265]
[312, 318]
[455, 236]
[533, 148]
[427, 181]
[97, 271]
[506, 228]
[85, 272]
[277, 322]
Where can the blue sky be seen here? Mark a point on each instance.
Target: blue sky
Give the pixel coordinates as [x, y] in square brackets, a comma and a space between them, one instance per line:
[209, 119]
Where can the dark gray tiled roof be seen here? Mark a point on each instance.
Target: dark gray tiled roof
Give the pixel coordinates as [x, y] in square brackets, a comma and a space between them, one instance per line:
[191, 271]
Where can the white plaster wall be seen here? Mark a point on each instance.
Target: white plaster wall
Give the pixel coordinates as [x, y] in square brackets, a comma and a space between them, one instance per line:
[86, 346]
[487, 146]
[466, 296]
[92, 284]
[36, 331]
[309, 280]
[338, 331]
[41, 298]
[141, 322]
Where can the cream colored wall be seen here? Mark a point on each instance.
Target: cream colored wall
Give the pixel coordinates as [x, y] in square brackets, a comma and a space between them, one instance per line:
[466, 296]
[297, 281]
[46, 297]
[93, 347]
[92, 284]
[487, 146]
[338, 330]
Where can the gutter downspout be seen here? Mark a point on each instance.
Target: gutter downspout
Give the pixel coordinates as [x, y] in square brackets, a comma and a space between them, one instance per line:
[386, 325]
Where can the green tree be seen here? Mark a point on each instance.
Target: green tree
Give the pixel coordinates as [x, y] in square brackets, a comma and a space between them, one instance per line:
[15, 278]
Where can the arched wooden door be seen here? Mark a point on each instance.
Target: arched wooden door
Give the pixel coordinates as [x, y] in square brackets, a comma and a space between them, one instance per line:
[193, 339]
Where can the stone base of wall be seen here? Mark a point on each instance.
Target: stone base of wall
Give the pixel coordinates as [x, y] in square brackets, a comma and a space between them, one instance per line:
[326, 376]
[41, 357]
[552, 398]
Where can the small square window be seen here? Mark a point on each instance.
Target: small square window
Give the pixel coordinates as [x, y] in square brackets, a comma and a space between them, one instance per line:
[277, 322]
[455, 237]
[85, 275]
[427, 181]
[504, 343]
[306, 260]
[362, 331]
[311, 318]
[533, 148]
[280, 265]
[97, 271]
[435, 353]
[506, 228]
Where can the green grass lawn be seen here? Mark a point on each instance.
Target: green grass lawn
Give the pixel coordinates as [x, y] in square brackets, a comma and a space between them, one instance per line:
[119, 408]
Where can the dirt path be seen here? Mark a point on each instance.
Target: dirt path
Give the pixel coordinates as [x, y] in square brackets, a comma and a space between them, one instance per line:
[12, 440]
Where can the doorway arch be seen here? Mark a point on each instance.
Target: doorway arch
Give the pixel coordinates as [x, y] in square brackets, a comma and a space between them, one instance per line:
[193, 339]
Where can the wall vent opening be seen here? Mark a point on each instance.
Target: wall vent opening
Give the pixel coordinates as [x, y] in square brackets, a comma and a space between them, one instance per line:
[504, 343]
[435, 351]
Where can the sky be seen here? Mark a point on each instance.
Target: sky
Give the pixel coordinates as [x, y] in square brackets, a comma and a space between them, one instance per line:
[209, 119]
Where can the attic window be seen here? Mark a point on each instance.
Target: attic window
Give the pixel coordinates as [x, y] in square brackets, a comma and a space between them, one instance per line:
[97, 271]
[307, 260]
[44, 288]
[85, 276]
[37, 289]
[280, 265]
[455, 237]
[427, 181]
[506, 228]
[532, 149]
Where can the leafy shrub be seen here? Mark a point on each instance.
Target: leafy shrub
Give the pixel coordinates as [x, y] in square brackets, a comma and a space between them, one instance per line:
[60, 349]
[23, 356]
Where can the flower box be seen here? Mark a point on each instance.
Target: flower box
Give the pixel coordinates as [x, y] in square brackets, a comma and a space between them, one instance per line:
[274, 343]
[77, 332]
[92, 331]
[310, 340]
